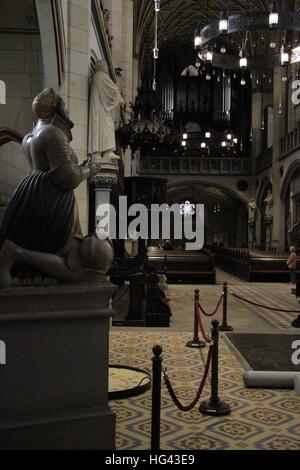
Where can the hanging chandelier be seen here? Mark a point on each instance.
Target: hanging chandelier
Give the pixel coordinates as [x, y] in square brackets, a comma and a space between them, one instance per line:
[280, 22]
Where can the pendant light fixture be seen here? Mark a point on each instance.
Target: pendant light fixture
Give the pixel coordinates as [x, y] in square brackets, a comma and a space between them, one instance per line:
[274, 16]
[223, 23]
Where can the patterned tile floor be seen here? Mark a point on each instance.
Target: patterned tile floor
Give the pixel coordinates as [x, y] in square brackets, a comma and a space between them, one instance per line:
[260, 419]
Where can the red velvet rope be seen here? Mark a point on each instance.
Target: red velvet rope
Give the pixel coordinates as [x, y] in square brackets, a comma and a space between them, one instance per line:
[215, 310]
[264, 306]
[200, 389]
[206, 338]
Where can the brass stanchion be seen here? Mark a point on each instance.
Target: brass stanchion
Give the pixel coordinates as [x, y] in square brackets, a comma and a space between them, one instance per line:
[214, 406]
[156, 397]
[196, 342]
[225, 326]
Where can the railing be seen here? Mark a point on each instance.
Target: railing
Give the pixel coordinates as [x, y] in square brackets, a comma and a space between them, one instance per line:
[194, 166]
[290, 142]
[264, 160]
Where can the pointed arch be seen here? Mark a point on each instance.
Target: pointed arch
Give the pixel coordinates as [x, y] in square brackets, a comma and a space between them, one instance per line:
[9, 135]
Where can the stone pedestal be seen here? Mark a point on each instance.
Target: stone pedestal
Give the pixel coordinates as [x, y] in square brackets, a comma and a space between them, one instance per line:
[54, 385]
[251, 234]
[268, 223]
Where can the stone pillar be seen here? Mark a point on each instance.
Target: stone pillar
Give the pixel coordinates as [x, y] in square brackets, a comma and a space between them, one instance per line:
[256, 123]
[77, 88]
[269, 243]
[251, 234]
[104, 180]
[278, 226]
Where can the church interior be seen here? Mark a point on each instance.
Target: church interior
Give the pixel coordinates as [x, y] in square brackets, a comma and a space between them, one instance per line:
[150, 225]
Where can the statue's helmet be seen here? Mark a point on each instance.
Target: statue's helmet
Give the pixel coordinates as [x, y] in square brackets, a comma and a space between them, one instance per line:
[44, 104]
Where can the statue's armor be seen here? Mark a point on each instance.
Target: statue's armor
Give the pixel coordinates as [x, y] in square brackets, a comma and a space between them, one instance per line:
[47, 149]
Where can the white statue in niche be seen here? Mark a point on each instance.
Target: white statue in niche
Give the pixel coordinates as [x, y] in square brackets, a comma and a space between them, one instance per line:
[252, 211]
[104, 97]
[269, 205]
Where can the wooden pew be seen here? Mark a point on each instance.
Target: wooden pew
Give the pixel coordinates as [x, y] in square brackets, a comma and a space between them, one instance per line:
[181, 265]
[253, 266]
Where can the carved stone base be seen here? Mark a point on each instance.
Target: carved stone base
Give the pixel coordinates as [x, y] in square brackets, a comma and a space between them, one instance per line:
[54, 385]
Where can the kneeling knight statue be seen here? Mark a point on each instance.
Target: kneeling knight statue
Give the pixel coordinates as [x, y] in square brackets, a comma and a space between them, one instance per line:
[40, 236]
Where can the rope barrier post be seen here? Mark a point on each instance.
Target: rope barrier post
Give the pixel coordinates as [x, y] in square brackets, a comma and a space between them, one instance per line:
[214, 406]
[225, 326]
[196, 342]
[156, 397]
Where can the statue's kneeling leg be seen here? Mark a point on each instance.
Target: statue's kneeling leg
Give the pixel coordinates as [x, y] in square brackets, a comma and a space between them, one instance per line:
[48, 263]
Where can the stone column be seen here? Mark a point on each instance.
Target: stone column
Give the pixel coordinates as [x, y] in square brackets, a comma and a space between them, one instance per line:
[251, 233]
[278, 229]
[77, 88]
[256, 124]
[104, 180]
[269, 244]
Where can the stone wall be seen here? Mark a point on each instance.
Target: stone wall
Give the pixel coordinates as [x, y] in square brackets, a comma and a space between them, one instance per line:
[22, 71]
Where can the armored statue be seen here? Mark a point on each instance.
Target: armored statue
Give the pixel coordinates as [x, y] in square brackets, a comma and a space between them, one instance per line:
[252, 211]
[40, 234]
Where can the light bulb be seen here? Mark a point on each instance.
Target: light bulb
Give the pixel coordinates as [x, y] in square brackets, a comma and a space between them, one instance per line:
[209, 56]
[284, 56]
[157, 5]
[197, 41]
[243, 62]
[223, 25]
[273, 19]
[243, 82]
[203, 145]
[184, 136]
[223, 50]
[208, 77]
[207, 135]
[197, 38]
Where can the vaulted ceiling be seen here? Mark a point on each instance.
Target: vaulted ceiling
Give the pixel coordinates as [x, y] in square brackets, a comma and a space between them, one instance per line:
[179, 18]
